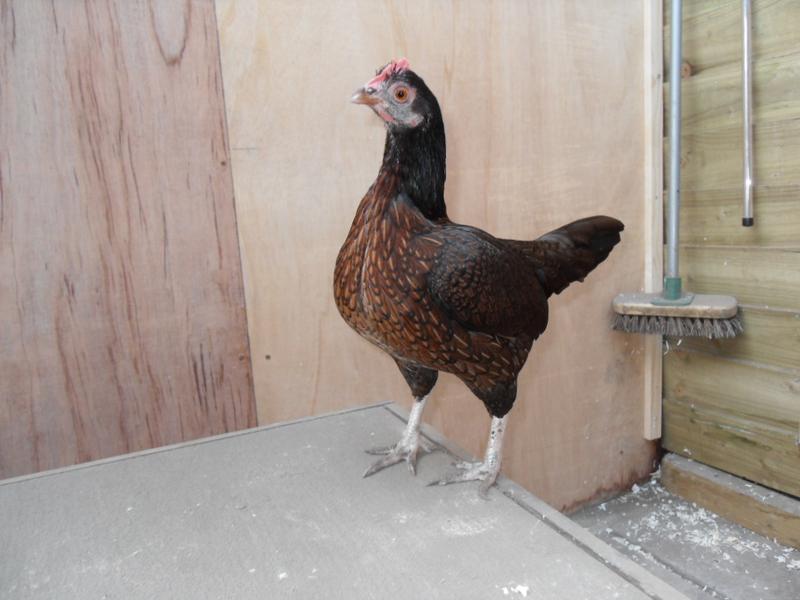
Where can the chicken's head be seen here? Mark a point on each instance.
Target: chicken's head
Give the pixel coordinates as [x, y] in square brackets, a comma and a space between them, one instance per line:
[397, 95]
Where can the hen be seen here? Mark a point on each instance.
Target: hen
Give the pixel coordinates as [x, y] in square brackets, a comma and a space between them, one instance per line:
[439, 296]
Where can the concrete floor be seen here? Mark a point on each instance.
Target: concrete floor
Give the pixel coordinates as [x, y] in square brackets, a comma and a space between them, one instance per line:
[282, 512]
[695, 550]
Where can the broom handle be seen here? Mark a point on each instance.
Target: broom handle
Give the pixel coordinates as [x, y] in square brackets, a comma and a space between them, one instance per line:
[674, 148]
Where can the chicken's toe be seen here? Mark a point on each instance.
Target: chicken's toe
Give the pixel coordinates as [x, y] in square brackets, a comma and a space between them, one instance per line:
[380, 450]
[387, 461]
[407, 451]
[472, 471]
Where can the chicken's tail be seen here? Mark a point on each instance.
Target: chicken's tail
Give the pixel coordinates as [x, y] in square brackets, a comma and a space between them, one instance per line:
[571, 252]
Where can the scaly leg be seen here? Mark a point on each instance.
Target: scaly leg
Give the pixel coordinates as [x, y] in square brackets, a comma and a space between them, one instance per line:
[486, 472]
[409, 445]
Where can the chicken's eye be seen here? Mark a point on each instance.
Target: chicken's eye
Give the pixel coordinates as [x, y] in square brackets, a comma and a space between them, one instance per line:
[401, 94]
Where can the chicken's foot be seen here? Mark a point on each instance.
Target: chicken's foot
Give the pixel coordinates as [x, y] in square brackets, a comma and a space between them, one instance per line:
[407, 448]
[487, 471]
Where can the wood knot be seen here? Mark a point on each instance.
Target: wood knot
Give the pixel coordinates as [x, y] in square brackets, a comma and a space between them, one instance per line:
[171, 22]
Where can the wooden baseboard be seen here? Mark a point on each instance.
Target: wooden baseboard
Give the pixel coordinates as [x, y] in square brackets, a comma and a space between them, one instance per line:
[765, 511]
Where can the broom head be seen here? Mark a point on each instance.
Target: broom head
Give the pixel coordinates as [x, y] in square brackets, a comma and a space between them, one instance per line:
[706, 316]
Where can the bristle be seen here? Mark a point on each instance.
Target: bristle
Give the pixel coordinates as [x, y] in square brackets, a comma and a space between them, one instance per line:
[679, 327]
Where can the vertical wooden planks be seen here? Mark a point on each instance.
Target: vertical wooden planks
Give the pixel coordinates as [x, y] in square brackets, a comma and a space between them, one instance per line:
[717, 395]
[543, 107]
[120, 281]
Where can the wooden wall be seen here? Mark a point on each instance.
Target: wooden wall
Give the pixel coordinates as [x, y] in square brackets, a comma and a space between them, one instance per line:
[121, 301]
[736, 404]
[543, 106]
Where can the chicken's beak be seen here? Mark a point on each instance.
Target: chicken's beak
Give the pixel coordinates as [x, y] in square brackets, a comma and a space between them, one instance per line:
[365, 95]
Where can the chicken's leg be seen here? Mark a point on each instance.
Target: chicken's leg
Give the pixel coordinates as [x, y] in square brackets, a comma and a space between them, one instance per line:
[409, 445]
[487, 471]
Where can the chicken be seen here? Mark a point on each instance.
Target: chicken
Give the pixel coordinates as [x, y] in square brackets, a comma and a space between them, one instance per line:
[439, 296]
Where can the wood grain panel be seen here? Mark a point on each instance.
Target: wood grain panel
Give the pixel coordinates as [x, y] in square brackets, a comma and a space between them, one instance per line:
[543, 107]
[120, 282]
[711, 159]
[744, 447]
[712, 31]
[772, 337]
[746, 390]
[714, 217]
[713, 98]
[765, 276]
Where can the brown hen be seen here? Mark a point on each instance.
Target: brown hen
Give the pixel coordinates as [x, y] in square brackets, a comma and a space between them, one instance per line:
[439, 296]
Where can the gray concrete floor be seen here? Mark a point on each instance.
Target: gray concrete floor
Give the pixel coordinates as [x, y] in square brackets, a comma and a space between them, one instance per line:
[282, 512]
[695, 550]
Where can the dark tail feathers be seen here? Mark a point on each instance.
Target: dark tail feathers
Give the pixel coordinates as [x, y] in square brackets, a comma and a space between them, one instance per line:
[571, 252]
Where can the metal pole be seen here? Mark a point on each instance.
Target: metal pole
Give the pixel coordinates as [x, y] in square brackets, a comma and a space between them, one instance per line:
[747, 112]
[672, 286]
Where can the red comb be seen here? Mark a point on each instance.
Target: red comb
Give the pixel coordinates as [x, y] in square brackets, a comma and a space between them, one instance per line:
[396, 66]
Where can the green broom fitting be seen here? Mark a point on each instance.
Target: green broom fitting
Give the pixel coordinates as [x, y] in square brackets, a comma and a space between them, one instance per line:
[672, 312]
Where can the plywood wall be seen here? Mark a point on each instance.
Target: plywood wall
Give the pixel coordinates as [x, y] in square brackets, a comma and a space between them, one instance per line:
[121, 300]
[543, 106]
[736, 404]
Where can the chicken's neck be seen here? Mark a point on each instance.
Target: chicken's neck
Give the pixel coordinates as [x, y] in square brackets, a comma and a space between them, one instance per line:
[418, 157]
